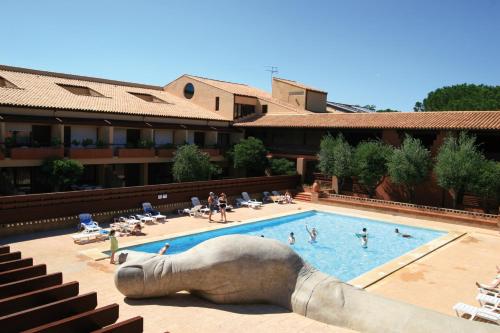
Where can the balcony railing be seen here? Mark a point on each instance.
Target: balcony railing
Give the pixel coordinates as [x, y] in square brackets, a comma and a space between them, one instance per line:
[35, 153]
[89, 153]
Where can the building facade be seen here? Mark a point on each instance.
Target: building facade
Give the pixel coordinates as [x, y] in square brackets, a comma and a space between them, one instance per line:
[125, 133]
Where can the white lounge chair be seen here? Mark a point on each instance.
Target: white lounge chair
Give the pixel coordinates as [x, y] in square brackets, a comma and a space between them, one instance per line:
[488, 300]
[475, 312]
[204, 210]
[87, 224]
[243, 203]
[484, 289]
[247, 198]
[148, 209]
[87, 237]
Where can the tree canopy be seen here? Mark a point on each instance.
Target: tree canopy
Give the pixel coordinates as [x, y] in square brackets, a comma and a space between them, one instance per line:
[335, 157]
[409, 165]
[61, 173]
[487, 186]
[282, 166]
[370, 164]
[251, 155]
[462, 97]
[457, 165]
[191, 164]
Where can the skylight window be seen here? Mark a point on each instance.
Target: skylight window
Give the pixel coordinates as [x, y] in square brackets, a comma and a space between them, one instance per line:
[147, 97]
[4, 83]
[80, 90]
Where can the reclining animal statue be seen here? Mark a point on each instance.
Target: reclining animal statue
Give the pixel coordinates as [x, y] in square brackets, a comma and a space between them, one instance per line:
[237, 269]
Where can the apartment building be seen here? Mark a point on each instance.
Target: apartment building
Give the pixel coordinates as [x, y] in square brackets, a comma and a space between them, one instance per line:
[125, 133]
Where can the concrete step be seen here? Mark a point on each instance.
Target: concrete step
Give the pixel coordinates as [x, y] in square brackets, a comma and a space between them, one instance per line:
[303, 196]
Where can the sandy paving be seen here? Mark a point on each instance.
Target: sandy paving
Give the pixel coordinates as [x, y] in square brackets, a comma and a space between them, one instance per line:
[436, 281]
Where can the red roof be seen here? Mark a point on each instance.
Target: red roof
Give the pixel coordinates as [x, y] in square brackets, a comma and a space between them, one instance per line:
[481, 120]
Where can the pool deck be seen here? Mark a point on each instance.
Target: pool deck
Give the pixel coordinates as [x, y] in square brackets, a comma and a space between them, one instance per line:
[436, 276]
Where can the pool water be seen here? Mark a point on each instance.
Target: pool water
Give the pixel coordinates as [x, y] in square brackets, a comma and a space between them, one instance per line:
[337, 252]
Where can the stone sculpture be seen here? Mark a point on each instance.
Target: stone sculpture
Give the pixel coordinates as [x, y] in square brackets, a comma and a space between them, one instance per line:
[239, 269]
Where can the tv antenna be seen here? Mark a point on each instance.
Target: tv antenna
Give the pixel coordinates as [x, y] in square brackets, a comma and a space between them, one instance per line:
[272, 70]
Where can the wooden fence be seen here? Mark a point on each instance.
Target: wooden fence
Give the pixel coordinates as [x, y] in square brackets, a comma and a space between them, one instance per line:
[34, 210]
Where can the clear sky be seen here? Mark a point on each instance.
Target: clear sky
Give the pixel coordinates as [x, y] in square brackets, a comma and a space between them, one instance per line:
[390, 53]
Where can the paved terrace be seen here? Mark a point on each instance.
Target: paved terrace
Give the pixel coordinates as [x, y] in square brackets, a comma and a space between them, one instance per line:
[436, 281]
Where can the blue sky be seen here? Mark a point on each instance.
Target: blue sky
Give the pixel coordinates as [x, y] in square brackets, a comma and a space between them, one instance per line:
[390, 53]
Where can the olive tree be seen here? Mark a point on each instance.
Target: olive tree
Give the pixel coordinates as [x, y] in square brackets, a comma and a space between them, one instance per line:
[409, 165]
[251, 155]
[487, 185]
[370, 164]
[335, 158]
[457, 165]
[191, 164]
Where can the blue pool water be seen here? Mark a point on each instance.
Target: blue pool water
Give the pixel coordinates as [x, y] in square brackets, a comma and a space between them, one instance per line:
[337, 251]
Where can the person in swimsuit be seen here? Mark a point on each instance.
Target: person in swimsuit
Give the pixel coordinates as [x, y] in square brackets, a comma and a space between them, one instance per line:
[164, 249]
[211, 205]
[401, 234]
[313, 233]
[364, 238]
[113, 246]
[222, 206]
[291, 239]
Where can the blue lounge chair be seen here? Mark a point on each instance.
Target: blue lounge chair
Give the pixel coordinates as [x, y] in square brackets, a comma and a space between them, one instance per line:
[87, 224]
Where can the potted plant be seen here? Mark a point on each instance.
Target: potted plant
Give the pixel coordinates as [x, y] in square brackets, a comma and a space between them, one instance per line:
[87, 142]
[75, 143]
[55, 142]
[100, 144]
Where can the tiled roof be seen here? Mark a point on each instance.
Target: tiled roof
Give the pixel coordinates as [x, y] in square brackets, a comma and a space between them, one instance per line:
[298, 84]
[246, 90]
[41, 90]
[481, 120]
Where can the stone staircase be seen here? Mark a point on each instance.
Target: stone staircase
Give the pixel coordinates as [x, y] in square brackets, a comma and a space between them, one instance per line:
[303, 196]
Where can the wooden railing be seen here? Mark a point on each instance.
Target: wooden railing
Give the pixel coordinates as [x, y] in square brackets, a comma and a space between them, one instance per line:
[36, 209]
[35, 301]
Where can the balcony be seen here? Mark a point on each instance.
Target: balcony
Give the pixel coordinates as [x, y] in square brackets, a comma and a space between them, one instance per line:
[211, 151]
[136, 152]
[90, 153]
[166, 152]
[35, 153]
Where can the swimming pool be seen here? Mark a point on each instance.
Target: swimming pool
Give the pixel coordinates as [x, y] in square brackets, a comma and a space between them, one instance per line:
[337, 251]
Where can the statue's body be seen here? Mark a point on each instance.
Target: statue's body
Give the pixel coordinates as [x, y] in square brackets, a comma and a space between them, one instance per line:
[246, 269]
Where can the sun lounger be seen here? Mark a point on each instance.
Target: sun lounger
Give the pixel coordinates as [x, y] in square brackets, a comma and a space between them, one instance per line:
[203, 209]
[87, 224]
[148, 209]
[243, 203]
[474, 312]
[247, 198]
[489, 301]
[484, 289]
[87, 237]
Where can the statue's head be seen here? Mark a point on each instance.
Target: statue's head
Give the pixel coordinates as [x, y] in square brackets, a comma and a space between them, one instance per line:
[131, 276]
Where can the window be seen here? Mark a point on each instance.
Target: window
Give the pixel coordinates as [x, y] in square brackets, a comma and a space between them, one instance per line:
[223, 140]
[80, 90]
[264, 108]
[147, 97]
[189, 91]
[67, 136]
[4, 83]
[40, 135]
[133, 137]
[217, 103]
[242, 110]
[199, 139]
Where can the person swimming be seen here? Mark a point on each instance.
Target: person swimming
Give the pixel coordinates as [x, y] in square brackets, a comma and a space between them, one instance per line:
[291, 239]
[313, 233]
[401, 234]
[164, 249]
[363, 236]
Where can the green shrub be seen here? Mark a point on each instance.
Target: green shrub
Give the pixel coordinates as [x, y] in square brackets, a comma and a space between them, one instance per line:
[191, 164]
[370, 164]
[457, 165]
[61, 173]
[282, 166]
[87, 142]
[409, 165]
[335, 158]
[251, 155]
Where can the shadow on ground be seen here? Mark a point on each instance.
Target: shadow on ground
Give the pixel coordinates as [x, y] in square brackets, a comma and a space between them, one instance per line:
[188, 300]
